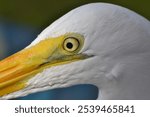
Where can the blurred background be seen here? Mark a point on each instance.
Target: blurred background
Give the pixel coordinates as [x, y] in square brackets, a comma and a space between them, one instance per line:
[22, 20]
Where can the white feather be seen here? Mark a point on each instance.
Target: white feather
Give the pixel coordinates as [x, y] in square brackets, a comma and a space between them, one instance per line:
[120, 41]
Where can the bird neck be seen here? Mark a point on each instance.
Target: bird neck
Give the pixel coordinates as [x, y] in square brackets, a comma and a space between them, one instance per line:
[128, 80]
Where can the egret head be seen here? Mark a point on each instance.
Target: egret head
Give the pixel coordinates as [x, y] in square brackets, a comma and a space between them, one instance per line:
[89, 45]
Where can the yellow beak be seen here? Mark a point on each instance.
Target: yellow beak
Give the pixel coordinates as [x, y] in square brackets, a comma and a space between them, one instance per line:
[16, 70]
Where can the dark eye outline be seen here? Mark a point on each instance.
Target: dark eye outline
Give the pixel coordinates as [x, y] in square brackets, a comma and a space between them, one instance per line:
[65, 45]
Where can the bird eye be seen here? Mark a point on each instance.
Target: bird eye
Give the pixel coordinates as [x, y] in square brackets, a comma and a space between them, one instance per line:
[71, 44]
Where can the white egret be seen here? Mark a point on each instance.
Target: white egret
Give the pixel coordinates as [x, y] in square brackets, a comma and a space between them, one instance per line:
[101, 44]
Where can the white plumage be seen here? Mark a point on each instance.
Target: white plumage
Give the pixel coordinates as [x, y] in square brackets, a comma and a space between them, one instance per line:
[119, 41]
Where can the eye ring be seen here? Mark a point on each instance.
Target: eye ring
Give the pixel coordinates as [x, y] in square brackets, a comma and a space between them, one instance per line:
[71, 44]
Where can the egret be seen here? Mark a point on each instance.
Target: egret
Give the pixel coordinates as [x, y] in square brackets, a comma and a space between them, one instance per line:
[99, 43]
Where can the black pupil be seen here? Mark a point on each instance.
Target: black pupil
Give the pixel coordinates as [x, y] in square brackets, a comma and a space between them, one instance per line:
[69, 45]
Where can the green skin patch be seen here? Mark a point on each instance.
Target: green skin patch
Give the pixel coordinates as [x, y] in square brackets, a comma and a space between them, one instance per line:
[17, 69]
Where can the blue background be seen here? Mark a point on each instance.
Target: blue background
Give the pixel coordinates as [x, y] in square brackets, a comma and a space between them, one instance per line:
[16, 37]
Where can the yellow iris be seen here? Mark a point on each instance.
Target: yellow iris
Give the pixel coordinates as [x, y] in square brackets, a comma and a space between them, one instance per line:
[71, 44]
[16, 70]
